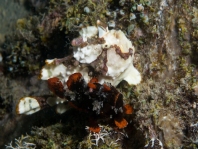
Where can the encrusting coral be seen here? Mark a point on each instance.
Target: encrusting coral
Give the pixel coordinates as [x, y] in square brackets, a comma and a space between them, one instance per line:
[21, 143]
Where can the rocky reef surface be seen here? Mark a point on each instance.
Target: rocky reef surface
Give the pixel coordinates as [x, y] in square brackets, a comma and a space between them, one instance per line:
[164, 34]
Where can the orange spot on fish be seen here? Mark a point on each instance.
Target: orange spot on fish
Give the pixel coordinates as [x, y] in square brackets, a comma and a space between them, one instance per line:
[106, 87]
[73, 79]
[91, 83]
[56, 86]
[121, 123]
[95, 129]
[93, 125]
[128, 109]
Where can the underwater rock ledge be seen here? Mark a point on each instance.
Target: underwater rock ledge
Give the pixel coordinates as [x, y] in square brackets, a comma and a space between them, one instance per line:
[164, 103]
